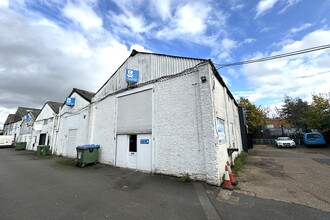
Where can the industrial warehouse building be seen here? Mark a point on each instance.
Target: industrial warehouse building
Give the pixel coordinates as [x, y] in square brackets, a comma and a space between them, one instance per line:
[157, 113]
[166, 114]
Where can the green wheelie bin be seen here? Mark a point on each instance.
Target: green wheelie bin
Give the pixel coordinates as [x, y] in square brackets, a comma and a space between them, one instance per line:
[43, 150]
[87, 154]
[20, 145]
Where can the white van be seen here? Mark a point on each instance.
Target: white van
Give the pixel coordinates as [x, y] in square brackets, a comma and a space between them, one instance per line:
[6, 141]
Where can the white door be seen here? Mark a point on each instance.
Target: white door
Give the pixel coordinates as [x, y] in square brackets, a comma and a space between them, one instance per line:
[121, 154]
[71, 147]
[132, 151]
[144, 151]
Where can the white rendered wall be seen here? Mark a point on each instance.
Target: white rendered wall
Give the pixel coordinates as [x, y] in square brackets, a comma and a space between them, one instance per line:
[46, 120]
[76, 117]
[177, 143]
[226, 109]
[102, 129]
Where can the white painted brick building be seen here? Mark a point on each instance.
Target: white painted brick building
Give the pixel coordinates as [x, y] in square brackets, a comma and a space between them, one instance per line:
[177, 118]
[44, 126]
[73, 124]
[20, 124]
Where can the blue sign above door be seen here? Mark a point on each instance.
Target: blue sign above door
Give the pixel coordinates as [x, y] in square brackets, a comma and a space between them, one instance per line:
[27, 117]
[132, 76]
[144, 141]
[70, 101]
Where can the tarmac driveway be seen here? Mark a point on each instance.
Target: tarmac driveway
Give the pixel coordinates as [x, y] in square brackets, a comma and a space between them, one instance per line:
[297, 175]
[53, 188]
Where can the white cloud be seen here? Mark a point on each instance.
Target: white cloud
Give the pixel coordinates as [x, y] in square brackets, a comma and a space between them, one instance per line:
[4, 3]
[82, 14]
[161, 9]
[4, 112]
[289, 4]
[302, 27]
[297, 75]
[140, 48]
[228, 44]
[190, 19]
[265, 5]
[44, 61]
[226, 47]
[134, 24]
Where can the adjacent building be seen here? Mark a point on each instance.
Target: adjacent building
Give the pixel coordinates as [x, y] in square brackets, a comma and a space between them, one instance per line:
[20, 124]
[72, 128]
[44, 126]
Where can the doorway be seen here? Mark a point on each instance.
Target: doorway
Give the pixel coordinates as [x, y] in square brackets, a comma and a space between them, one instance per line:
[42, 139]
[134, 151]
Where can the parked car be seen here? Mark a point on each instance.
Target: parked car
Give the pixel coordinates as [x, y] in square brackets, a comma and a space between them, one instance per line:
[313, 139]
[285, 142]
[6, 141]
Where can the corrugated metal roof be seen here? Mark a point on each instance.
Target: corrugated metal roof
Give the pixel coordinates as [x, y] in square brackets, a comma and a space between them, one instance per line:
[150, 66]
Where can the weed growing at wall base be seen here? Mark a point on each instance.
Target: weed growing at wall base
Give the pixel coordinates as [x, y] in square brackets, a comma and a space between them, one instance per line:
[239, 161]
[186, 178]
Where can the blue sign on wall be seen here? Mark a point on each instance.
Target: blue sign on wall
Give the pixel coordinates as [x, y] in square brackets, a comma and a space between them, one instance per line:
[26, 118]
[144, 141]
[132, 75]
[70, 101]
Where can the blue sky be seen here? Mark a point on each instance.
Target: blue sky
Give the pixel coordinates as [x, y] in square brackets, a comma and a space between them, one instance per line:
[49, 47]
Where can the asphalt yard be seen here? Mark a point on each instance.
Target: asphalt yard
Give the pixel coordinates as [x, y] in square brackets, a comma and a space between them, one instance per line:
[34, 187]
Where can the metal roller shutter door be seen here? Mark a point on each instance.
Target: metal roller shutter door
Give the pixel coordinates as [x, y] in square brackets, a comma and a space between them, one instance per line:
[135, 113]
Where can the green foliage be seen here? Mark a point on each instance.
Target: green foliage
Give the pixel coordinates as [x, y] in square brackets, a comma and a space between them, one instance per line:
[302, 114]
[186, 178]
[295, 111]
[239, 161]
[318, 115]
[255, 116]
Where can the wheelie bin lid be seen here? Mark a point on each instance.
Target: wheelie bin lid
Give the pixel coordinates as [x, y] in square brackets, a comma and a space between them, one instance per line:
[88, 146]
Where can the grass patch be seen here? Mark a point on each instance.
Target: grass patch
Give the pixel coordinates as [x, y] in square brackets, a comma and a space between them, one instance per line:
[239, 161]
[186, 178]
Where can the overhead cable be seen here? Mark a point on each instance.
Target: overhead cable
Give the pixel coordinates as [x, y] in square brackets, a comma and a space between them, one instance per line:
[308, 50]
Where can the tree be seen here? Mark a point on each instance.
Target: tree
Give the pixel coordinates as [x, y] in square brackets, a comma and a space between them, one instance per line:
[295, 111]
[255, 116]
[300, 114]
[318, 114]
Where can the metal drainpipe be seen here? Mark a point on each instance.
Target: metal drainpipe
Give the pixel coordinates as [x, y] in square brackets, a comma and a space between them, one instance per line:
[52, 140]
[58, 116]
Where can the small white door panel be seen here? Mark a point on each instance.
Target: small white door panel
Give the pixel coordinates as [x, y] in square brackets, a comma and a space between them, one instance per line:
[132, 160]
[144, 160]
[122, 150]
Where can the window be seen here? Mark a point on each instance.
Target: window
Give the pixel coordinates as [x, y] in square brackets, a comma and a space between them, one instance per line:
[313, 135]
[132, 143]
[221, 130]
[45, 121]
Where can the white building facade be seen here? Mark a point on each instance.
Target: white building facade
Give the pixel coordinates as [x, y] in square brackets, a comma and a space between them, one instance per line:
[72, 128]
[44, 126]
[20, 124]
[174, 116]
